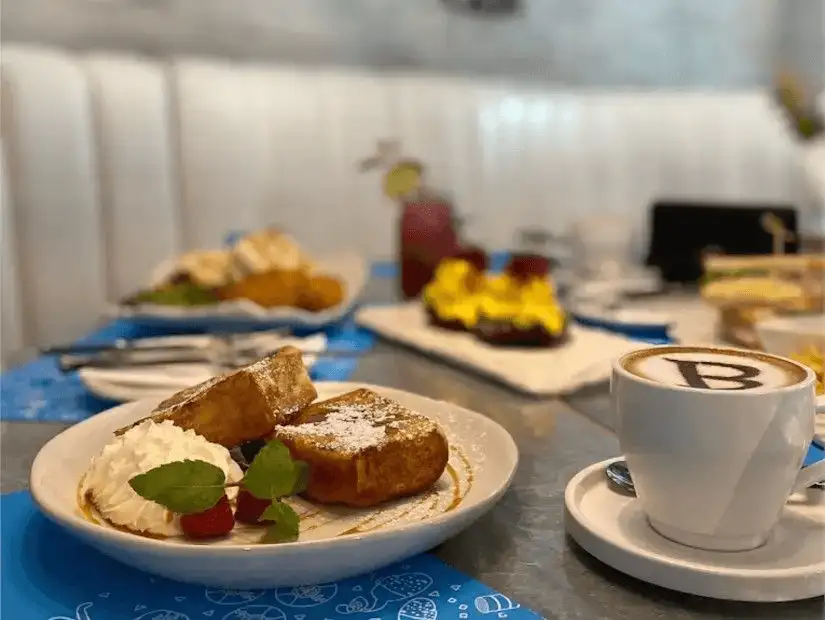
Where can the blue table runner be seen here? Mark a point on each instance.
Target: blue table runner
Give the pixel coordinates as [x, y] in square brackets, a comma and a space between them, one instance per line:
[38, 392]
[50, 575]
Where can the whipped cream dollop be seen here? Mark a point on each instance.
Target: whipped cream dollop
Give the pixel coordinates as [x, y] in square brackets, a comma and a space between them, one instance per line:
[141, 448]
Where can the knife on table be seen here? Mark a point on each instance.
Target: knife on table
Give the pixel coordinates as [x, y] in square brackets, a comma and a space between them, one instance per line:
[153, 344]
[242, 358]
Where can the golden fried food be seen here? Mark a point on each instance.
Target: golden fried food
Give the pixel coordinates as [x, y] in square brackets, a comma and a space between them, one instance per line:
[271, 289]
[815, 360]
[269, 250]
[321, 292]
[208, 268]
[243, 405]
[364, 449]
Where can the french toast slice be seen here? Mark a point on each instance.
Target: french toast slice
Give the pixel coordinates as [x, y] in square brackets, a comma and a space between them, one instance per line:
[243, 405]
[364, 449]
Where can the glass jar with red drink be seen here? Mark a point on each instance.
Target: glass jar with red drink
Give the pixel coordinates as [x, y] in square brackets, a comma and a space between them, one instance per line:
[427, 235]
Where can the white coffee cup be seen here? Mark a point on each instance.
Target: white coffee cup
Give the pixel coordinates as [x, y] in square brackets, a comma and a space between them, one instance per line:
[714, 439]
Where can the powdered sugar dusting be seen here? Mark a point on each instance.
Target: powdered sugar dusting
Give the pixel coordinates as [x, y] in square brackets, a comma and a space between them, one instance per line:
[284, 385]
[179, 399]
[354, 427]
[480, 461]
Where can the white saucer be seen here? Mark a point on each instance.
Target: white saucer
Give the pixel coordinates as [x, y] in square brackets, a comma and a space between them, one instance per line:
[622, 318]
[611, 526]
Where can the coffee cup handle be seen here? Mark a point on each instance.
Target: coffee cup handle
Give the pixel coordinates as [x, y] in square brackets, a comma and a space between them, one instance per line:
[815, 472]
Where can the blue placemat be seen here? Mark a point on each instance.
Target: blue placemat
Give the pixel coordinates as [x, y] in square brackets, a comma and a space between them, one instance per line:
[39, 392]
[815, 454]
[50, 575]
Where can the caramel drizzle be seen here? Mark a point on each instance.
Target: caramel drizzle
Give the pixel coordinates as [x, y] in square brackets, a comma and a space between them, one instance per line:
[458, 497]
[371, 523]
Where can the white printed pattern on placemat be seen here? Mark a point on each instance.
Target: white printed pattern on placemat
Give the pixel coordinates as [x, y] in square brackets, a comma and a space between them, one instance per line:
[583, 360]
[404, 588]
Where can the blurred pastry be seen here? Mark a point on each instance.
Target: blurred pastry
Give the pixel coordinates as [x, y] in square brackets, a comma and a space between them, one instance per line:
[747, 289]
[449, 298]
[754, 289]
[320, 293]
[206, 268]
[269, 289]
[527, 315]
[268, 268]
[269, 250]
[501, 309]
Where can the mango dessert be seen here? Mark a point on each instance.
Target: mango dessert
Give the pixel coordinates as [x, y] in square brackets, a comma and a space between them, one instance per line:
[516, 313]
[451, 299]
[500, 309]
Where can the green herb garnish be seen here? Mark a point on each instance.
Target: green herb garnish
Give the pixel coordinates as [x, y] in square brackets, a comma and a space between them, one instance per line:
[193, 486]
[285, 527]
[181, 294]
[273, 474]
[185, 487]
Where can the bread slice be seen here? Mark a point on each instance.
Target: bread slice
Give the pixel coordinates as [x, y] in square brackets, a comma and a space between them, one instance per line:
[245, 404]
[209, 268]
[269, 250]
[364, 449]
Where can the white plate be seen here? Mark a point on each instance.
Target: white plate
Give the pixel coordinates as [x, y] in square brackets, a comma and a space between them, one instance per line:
[635, 319]
[789, 335]
[483, 461]
[611, 526]
[351, 269]
[632, 280]
[584, 359]
[692, 320]
[127, 383]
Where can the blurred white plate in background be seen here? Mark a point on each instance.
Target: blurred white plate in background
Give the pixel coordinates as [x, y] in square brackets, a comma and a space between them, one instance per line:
[137, 382]
[349, 268]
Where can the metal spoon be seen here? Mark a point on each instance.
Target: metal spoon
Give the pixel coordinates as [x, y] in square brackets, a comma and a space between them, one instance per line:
[618, 473]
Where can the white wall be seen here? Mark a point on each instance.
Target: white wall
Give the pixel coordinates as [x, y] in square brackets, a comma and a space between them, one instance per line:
[645, 43]
[116, 163]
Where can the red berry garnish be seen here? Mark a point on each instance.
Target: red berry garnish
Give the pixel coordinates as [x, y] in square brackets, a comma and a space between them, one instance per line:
[212, 523]
[473, 255]
[527, 266]
[250, 508]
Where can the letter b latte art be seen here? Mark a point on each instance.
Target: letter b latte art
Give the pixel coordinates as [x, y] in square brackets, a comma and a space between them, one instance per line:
[714, 439]
[705, 368]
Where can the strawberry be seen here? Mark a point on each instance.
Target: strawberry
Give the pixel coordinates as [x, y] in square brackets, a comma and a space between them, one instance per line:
[473, 255]
[250, 508]
[526, 266]
[212, 523]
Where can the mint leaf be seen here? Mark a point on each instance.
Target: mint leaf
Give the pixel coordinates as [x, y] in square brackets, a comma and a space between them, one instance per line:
[273, 473]
[286, 524]
[301, 477]
[184, 487]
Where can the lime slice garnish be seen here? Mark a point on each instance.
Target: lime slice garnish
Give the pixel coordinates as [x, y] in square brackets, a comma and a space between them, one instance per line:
[402, 179]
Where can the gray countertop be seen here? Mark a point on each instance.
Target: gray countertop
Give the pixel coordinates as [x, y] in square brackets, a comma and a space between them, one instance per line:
[520, 547]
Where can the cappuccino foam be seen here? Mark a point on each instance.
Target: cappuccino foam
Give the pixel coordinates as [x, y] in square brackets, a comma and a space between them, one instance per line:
[713, 369]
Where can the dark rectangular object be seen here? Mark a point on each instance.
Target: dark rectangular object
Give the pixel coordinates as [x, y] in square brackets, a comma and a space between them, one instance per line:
[681, 232]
